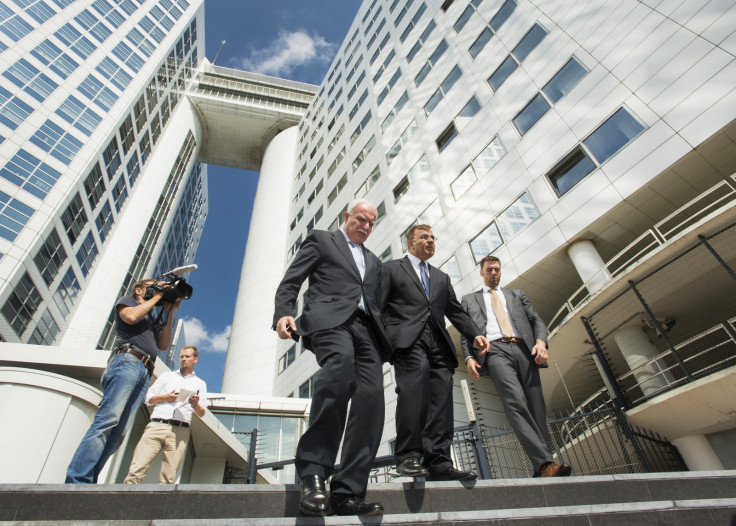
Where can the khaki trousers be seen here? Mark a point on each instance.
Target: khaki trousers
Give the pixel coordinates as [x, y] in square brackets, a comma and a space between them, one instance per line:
[157, 436]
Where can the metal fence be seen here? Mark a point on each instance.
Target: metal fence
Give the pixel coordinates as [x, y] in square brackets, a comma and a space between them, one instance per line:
[673, 326]
[594, 441]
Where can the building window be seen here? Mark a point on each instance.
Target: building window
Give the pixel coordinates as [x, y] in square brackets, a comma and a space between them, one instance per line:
[75, 113]
[13, 111]
[97, 93]
[134, 169]
[405, 137]
[368, 183]
[433, 59]
[50, 257]
[126, 134]
[516, 217]
[30, 174]
[489, 156]
[145, 147]
[313, 222]
[451, 268]
[395, 111]
[558, 86]
[335, 191]
[306, 390]
[74, 218]
[485, 242]
[139, 110]
[364, 153]
[67, 292]
[315, 192]
[564, 80]
[87, 253]
[287, 359]
[401, 189]
[104, 220]
[359, 129]
[446, 137]
[45, 331]
[22, 304]
[413, 22]
[532, 112]
[612, 135]
[466, 114]
[13, 216]
[525, 46]
[570, 170]
[463, 182]
[111, 158]
[119, 193]
[51, 138]
[443, 90]
[421, 40]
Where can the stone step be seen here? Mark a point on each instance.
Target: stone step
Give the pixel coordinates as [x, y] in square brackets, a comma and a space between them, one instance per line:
[709, 497]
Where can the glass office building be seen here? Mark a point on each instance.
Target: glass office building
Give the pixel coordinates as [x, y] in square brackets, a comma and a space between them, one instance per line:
[89, 92]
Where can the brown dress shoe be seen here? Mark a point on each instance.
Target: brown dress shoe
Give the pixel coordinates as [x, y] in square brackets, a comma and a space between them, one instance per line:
[550, 469]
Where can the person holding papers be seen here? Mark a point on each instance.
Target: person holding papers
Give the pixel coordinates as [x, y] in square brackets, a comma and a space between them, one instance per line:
[175, 395]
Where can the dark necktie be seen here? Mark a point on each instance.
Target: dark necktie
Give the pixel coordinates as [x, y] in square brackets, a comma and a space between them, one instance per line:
[425, 276]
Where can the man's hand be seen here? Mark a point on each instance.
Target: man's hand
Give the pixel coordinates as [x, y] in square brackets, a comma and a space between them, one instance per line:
[481, 343]
[539, 352]
[194, 400]
[164, 398]
[285, 326]
[473, 368]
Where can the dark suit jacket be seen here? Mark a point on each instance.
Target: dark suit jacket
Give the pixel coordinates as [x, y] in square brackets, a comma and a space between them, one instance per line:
[525, 318]
[406, 307]
[334, 289]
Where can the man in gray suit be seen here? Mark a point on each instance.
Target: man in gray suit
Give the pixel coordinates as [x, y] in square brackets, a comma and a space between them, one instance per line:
[518, 347]
[341, 323]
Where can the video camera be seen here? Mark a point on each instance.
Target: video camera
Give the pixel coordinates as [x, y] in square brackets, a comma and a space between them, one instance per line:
[176, 286]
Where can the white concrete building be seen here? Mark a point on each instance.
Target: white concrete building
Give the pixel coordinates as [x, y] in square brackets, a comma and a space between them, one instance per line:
[560, 137]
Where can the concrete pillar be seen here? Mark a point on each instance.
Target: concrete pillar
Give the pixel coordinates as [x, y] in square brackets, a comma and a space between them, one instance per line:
[589, 264]
[639, 353]
[251, 354]
[697, 453]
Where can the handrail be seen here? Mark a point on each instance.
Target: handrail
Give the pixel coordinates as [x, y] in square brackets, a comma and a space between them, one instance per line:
[661, 232]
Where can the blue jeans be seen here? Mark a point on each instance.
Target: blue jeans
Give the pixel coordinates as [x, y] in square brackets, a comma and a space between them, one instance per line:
[124, 384]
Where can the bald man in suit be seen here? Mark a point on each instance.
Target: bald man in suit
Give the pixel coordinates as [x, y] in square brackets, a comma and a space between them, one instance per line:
[416, 299]
[518, 347]
[341, 323]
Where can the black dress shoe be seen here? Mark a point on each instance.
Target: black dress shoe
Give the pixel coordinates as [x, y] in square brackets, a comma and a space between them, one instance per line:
[313, 499]
[357, 506]
[453, 474]
[411, 467]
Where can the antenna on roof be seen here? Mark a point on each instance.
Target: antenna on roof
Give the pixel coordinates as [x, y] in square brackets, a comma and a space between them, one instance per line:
[218, 52]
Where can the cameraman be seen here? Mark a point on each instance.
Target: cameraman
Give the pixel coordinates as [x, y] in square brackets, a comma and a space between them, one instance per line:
[126, 379]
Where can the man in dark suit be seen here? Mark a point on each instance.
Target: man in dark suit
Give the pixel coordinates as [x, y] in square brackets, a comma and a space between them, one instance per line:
[518, 347]
[341, 323]
[416, 299]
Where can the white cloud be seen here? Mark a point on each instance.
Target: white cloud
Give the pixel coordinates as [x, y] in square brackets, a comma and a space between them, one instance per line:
[198, 335]
[289, 51]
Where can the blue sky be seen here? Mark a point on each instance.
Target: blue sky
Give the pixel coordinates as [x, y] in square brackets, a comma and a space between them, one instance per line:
[292, 39]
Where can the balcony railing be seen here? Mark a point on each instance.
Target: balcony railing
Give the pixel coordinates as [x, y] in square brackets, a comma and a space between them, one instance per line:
[663, 231]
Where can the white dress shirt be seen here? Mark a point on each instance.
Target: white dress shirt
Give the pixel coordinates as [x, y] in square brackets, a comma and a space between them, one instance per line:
[174, 381]
[359, 256]
[493, 331]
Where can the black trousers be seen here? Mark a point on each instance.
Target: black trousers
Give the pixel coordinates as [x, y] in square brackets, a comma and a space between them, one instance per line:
[424, 412]
[351, 371]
